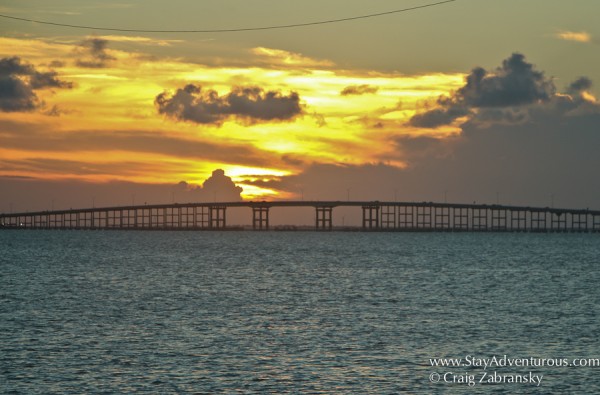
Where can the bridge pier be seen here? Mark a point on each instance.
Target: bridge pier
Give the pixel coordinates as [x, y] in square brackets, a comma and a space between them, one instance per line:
[260, 218]
[558, 222]
[596, 223]
[388, 217]
[460, 218]
[202, 217]
[479, 219]
[324, 218]
[518, 220]
[499, 221]
[538, 221]
[442, 217]
[217, 217]
[424, 217]
[579, 222]
[406, 217]
[370, 217]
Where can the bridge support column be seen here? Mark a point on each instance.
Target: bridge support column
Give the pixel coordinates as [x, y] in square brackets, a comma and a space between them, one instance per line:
[558, 222]
[579, 222]
[460, 218]
[370, 217]
[217, 217]
[406, 217]
[479, 219]
[389, 217]
[518, 220]
[424, 218]
[324, 218]
[260, 218]
[442, 217]
[596, 223]
[537, 221]
[499, 219]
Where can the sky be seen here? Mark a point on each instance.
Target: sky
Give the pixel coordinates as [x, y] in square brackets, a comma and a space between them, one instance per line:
[485, 101]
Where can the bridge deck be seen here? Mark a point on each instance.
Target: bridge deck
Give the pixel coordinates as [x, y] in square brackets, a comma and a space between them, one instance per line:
[376, 215]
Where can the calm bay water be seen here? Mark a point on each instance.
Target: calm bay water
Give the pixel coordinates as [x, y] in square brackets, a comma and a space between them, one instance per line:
[292, 312]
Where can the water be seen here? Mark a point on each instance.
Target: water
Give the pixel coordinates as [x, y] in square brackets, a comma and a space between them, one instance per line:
[292, 313]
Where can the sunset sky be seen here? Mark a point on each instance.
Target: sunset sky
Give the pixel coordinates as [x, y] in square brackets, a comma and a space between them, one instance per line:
[468, 100]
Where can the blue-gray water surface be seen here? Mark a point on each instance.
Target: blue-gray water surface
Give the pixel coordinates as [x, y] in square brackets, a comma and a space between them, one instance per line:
[294, 312]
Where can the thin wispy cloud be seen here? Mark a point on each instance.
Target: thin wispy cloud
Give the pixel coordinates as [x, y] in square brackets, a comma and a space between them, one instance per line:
[359, 90]
[58, 12]
[138, 39]
[582, 37]
[94, 52]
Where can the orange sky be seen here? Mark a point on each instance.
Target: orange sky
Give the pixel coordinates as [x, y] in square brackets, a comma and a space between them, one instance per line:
[108, 120]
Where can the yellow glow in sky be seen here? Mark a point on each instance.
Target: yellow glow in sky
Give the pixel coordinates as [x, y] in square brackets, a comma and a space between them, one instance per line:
[107, 125]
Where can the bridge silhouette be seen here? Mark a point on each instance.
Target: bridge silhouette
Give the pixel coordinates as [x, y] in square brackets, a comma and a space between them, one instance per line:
[376, 216]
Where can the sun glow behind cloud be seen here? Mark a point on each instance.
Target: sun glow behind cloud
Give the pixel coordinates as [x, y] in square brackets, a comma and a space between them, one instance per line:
[108, 126]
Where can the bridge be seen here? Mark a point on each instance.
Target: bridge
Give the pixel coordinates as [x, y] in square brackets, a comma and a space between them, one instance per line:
[376, 216]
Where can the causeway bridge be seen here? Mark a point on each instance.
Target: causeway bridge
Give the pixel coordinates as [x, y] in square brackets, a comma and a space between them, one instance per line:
[376, 216]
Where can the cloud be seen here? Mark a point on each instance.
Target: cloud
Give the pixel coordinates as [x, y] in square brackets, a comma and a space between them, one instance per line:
[280, 58]
[439, 116]
[218, 187]
[249, 104]
[521, 147]
[19, 81]
[94, 54]
[414, 149]
[358, 90]
[56, 64]
[138, 39]
[30, 137]
[525, 151]
[581, 84]
[515, 84]
[581, 37]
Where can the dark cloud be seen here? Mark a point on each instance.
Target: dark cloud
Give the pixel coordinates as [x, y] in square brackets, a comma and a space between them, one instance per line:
[14, 66]
[18, 82]
[516, 83]
[358, 90]
[48, 80]
[249, 104]
[439, 116]
[57, 64]
[16, 95]
[292, 159]
[93, 52]
[416, 148]
[581, 84]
